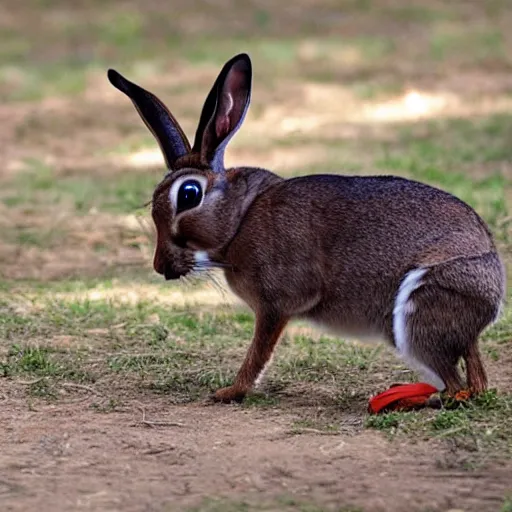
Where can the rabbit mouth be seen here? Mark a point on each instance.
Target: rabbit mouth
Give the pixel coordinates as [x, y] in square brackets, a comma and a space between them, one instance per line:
[174, 267]
[170, 274]
[189, 262]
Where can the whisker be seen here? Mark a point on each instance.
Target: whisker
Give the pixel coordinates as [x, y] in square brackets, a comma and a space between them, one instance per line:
[202, 267]
[217, 284]
[187, 280]
[199, 269]
[211, 264]
[144, 205]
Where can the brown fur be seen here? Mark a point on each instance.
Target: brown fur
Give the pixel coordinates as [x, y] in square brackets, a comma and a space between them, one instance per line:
[329, 248]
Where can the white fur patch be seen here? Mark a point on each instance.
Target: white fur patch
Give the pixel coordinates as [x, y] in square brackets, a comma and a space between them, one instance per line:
[404, 306]
[499, 312]
[259, 378]
[201, 258]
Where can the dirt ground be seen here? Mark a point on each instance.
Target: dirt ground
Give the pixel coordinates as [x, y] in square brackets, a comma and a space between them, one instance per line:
[66, 457]
[77, 453]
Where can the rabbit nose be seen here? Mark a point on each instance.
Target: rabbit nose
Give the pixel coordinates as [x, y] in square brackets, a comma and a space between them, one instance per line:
[165, 269]
[159, 264]
[170, 273]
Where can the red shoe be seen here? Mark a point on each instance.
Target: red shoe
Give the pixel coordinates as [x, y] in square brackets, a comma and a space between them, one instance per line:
[402, 397]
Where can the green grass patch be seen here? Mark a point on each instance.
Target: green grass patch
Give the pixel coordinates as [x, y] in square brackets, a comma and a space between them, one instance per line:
[49, 365]
[484, 421]
[27, 236]
[501, 331]
[184, 353]
[39, 188]
[58, 58]
[51, 65]
[507, 505]
[458, 141]
[188, 353]
[31, 360]
[260, 400]
[37, 82]
[482, 44]
[447, 153]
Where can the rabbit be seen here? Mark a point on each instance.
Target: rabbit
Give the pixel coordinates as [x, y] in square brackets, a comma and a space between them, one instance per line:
[377, 256]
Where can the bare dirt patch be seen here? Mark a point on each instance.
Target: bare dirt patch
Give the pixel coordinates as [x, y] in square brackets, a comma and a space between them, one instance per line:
[71, 246]
[68, 457]
[113, 444]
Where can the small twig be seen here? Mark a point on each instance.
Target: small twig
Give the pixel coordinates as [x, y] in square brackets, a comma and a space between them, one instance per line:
[30, 382]
[143, 355]
[72, 385]
[156, 451]
[153, 424]
[504, 221]
[449, 432]
[316, 431]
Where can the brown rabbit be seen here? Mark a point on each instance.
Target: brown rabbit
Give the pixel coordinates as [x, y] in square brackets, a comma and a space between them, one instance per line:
[381, 256]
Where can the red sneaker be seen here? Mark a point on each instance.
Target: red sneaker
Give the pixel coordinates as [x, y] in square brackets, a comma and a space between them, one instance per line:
[402, 397]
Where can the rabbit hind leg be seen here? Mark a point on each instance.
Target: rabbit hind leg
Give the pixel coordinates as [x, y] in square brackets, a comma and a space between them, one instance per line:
[441, 327]
[423, 331]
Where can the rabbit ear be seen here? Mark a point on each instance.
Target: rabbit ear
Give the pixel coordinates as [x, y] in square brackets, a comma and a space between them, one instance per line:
[156, 116]
[224, 111]
[207, 113]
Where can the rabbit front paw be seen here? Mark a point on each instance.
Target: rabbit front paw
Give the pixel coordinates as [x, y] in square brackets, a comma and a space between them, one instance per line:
[229, 394]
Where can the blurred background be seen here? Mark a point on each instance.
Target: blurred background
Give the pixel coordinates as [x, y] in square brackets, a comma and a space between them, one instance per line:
[99, 355]
[416, 88]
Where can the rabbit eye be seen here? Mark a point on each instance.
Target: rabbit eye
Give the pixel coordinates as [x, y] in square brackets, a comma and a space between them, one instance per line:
[187, 192]
[190, 195]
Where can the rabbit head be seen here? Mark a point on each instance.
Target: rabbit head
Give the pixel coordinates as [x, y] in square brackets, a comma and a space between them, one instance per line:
[199, 204]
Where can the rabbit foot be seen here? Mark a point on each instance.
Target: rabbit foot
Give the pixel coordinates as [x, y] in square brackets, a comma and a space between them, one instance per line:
[229, 394]
[462, 395]
[454, 400]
